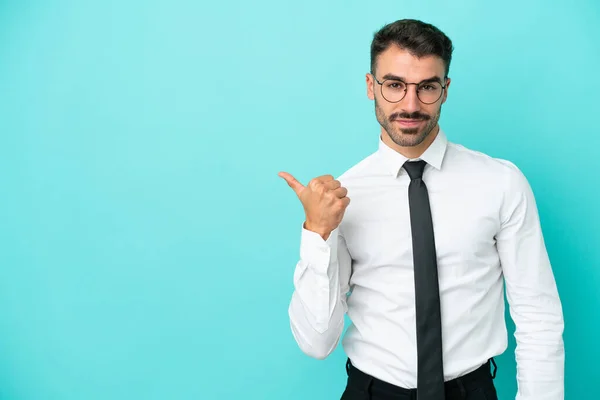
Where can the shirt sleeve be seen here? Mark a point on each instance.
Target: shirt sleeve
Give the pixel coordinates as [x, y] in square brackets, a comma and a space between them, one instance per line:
[532, 295]
[318, 303]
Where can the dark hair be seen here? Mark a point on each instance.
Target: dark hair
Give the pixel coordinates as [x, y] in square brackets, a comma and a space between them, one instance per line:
[419, 38]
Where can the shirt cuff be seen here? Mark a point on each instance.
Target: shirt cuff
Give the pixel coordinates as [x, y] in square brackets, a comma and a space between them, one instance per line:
[318, 252]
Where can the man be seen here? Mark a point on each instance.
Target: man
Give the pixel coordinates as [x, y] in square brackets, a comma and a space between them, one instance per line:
[419, 259]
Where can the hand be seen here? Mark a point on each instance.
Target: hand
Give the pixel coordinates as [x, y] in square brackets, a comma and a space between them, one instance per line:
[324, 201]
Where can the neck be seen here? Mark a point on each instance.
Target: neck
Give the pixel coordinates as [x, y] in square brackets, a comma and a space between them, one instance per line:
[411, 151]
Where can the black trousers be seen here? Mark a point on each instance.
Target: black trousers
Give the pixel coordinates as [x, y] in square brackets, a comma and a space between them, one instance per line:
[476, 385]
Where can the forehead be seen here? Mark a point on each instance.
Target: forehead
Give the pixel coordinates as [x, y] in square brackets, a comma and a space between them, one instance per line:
[399, 62]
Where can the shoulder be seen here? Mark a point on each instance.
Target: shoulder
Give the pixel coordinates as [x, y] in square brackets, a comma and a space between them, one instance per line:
[497, 177]
[359, 170]
[502, 171]
[502, 178]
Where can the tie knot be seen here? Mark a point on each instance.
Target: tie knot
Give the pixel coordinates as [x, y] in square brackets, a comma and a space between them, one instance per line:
[415, 169]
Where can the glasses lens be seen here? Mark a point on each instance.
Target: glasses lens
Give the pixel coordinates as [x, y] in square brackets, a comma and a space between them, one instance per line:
[393, 91]
[429, 92]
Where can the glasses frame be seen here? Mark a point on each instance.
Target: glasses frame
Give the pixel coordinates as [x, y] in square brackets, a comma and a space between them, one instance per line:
[406, 89]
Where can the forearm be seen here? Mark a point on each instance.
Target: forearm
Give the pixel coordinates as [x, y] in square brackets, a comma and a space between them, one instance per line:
[318, 306]
[317, 323]
[539, 352]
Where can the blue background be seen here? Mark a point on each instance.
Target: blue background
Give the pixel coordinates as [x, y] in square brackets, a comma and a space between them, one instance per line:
[147, 245]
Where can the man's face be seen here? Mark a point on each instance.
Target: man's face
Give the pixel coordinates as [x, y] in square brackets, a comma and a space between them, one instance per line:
[410, 121]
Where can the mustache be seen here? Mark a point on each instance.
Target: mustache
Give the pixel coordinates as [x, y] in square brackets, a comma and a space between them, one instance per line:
[415, 116]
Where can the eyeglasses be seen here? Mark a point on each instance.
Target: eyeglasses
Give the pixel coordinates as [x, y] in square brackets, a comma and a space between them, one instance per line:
[394, 90]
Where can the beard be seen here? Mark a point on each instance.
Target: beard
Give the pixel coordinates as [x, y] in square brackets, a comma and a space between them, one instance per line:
[406, 137]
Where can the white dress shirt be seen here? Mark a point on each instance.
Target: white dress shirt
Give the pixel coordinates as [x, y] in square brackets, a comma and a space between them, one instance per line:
[487, 234]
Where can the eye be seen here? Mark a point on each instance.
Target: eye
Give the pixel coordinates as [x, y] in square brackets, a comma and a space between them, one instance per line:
[395, 85]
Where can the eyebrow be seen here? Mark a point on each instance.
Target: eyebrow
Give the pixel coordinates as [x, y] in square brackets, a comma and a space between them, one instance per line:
[399, 78]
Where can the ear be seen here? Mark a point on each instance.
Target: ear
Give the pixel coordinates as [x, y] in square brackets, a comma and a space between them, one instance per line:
[369, 81]
[446, 90]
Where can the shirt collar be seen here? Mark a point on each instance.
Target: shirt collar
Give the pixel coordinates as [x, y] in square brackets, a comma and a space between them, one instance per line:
[434, 155]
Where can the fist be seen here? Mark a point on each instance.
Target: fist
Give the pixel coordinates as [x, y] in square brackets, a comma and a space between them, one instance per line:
[324, 200]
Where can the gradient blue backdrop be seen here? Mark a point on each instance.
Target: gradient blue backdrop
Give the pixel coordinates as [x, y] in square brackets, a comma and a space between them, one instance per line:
[147, 245]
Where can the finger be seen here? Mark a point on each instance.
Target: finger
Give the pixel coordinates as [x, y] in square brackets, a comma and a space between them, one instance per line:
[292, 182]
[324, 178]
[340, 192]
[345, 201]
[332, 185]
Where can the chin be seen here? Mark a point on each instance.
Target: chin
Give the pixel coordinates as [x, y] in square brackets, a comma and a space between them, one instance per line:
[408, 139]
[409, 132]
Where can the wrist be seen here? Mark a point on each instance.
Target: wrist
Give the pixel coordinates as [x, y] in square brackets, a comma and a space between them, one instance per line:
[323, 232]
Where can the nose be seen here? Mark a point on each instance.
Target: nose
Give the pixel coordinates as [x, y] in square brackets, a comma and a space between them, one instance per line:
[411, 103]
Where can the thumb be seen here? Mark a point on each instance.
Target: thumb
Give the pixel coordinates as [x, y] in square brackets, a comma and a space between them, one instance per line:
[292, 182]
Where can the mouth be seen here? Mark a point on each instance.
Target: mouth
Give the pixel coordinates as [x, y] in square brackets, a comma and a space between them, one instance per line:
[409, 123]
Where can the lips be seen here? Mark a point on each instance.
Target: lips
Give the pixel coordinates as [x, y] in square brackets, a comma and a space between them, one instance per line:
[409, 122]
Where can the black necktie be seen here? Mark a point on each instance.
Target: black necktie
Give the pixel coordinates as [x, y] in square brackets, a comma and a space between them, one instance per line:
[430, 374]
